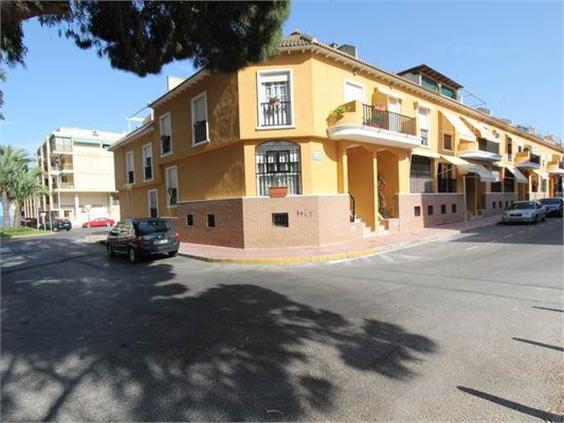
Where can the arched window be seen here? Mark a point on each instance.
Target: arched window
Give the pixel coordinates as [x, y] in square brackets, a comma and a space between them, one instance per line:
[278, 164]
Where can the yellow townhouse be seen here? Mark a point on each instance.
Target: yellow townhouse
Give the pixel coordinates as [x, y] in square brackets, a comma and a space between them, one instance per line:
[316, 147]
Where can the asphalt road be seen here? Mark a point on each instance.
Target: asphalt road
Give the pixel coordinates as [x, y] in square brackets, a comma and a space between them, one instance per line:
[464, 330]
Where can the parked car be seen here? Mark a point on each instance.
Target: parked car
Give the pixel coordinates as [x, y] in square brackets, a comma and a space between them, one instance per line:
[524, 211]
[142, 237]
[99, 222]
[30, 222]
[553, 206]
[57, 225]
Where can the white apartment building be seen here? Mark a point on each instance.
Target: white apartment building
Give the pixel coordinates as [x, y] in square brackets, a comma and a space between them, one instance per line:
[78, 172]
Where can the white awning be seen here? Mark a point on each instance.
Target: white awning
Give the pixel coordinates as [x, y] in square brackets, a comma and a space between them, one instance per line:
[390, 92]
[457, 161]
[424, 152]
[465, 167]
[483, 129]
[519, 177]
[484, 174]
[557, 172]
[462, 131]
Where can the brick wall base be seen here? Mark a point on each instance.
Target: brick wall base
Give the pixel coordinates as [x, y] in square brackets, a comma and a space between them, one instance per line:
[248, 222]
[442, 210]
[495, 202]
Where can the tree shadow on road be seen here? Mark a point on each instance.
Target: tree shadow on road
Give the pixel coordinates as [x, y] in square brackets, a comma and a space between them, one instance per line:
[229, 352]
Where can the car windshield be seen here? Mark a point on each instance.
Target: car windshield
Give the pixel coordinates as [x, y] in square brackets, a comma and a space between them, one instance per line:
[550, 201]
[147, 227]
[522, 206]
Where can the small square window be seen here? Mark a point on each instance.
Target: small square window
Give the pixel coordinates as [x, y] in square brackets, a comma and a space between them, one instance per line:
[430, 210]
[493, 204]
[189, 220]
[443, 208]
[211, 220]
[280, 219]
[417, 210]
[453, 208]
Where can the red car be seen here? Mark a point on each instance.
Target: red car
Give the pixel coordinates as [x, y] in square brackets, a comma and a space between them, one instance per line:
[99, 222]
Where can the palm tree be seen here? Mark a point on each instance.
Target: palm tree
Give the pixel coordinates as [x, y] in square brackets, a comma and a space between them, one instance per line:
[26, 184]
[12, 161]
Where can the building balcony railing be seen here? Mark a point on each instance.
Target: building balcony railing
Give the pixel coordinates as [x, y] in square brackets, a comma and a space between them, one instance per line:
[276, 114]
[355, 121]
[385, 119]
[200, 131]
[65, 185]
[527, 160]
[488, 146]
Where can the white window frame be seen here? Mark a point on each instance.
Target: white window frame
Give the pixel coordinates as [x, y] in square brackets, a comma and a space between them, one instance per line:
[260, 77]
[127, 169]
[358, 85]
[429, 132]
[156, 191]
[163, 116]
[150, 144]
[166, 186]
[192, 115]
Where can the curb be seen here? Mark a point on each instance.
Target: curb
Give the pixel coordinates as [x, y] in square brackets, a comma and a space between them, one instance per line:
[286, 260]
[347, 255]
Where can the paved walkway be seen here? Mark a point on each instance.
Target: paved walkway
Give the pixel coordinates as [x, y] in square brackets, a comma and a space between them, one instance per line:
[339, 251]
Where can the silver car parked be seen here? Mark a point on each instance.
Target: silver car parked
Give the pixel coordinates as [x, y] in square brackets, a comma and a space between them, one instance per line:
[524, 211]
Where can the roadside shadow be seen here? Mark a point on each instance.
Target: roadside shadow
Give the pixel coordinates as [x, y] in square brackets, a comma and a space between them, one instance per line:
[228, 352]
[530, 411]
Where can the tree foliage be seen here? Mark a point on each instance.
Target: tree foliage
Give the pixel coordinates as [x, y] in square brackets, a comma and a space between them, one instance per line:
[13, 163]
[141, 37]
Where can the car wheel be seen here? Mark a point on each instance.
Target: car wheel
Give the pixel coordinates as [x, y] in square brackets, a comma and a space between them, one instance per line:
[172, 253]
[110, 250]
[132, 255]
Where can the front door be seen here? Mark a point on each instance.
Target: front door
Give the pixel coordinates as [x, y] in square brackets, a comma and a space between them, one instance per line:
[394, 106]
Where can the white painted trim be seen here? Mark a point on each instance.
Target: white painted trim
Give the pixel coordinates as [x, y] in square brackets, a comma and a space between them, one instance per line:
[372, 135]
[292, 99]
[356, 83]
[166, 186]
[161, 117]
[144, 157]
[156, 191]
[266, 128]
[127, 154]
[430, 193]
[192, 101]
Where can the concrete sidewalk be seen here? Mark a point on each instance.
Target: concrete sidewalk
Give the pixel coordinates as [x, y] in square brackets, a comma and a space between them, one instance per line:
[341, 251]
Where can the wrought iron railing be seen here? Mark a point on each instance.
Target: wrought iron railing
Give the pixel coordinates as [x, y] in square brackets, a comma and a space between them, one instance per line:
[276, 113]
[385, 119]
[446, 185]
[352, 205]
[200, 131]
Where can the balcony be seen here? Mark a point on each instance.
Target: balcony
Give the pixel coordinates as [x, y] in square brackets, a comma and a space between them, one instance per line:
[278, 114]
[527, 160]
[61, 147]
[556, 167]
[355, 121]
[482, 150]
[64, 185]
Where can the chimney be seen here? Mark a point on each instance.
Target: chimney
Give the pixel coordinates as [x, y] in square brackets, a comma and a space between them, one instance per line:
[349, 49]
[172, 82]
[531, 130]
[484, 110]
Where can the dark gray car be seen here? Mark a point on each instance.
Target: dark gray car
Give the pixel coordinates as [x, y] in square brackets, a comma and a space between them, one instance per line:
[141, 238]
[554, 206]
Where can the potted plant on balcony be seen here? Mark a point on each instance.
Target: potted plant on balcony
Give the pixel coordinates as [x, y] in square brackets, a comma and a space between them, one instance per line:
[274, 101]
[278, 191]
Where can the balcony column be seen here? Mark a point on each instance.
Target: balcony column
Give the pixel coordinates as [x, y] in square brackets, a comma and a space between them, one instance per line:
[377, 221]
[404, 169]
[342, 168]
